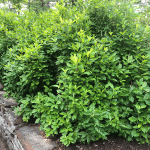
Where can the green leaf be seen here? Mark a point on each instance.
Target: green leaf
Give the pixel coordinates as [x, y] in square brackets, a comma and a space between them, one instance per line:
[109, 84]
[63, 114]
[146, 96]
[103, 77]
[96, 122]
[120, 66]
[48, 132]
[55, 86]
[58, 102]
[88, 73]
[130, 59]
[147, 89]
[144, 134]
[114, 101]
[145, 129]
[37, 120]
[34, 111]
[87, 120]
[142, 105]
[134, 133]
[64, 130]
[131, 98]
[25, 102]
[129, 138]
[83, 134]
[140, 119]
[88, 139]
[147, 102]
[133, 119]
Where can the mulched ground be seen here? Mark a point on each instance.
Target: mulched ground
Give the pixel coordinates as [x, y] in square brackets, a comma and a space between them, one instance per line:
[114, 142]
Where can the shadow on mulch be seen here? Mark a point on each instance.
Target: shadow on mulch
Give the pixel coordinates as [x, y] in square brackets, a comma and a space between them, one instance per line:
[114, 142]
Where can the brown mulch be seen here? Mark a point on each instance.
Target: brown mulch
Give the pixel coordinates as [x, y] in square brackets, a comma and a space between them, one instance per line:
[114, 142]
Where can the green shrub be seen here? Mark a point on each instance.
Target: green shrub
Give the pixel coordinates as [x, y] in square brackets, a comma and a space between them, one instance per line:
[97, 88]
[7, 39]
[30, 65]
[96, 56]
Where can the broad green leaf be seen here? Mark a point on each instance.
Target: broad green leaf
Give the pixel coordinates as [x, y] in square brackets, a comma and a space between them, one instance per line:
[133, 119]
[134, 133]
[103, 77]
[129, 138]
[147, 102]
[37, 120]
[131, 98]
[145, 129]
[147, 89]
[146, 96]
[140, 119]
[142, 105]
[88, 139]
[88, 73]
[114, 101]
[120, 66]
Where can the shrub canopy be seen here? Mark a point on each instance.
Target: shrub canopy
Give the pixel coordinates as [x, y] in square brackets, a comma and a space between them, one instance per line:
[81, 70]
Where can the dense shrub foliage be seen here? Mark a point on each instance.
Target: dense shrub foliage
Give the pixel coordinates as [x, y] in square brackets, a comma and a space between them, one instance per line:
[7, 40]
[81, 70]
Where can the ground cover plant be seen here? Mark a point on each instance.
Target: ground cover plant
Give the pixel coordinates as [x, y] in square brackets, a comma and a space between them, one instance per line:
[80, 70]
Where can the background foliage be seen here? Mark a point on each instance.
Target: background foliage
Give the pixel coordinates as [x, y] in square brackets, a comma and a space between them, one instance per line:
[81, 69]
